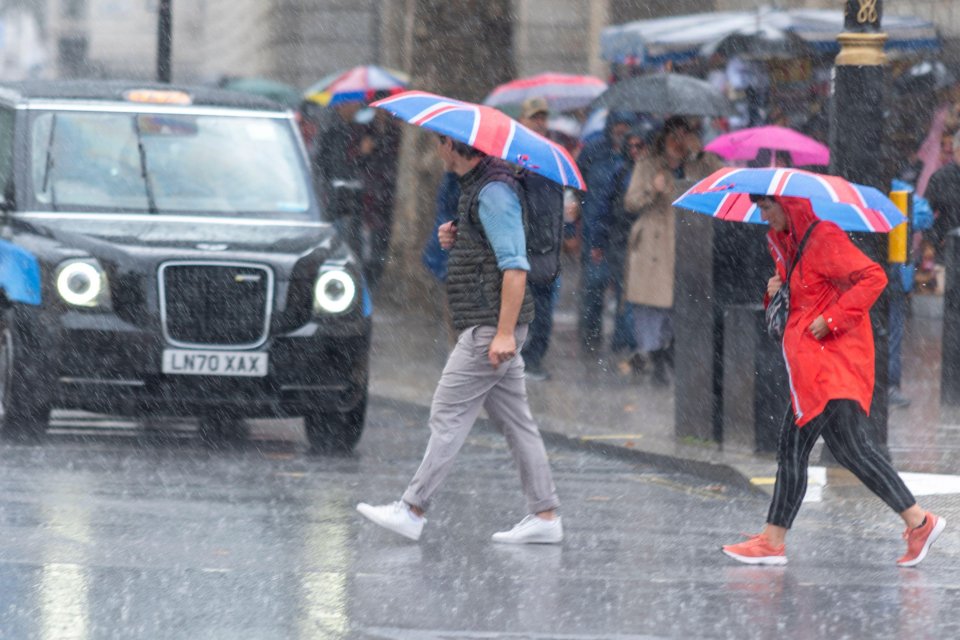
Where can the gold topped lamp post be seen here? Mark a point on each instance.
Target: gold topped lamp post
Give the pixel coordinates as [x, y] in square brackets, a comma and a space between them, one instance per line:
[857, 151]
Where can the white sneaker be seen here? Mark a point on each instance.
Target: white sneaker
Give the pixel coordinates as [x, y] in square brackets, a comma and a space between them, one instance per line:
[532, 530]
[396, 517]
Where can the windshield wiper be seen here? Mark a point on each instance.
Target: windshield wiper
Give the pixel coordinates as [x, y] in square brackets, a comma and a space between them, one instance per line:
[47, 184]
[147, 184]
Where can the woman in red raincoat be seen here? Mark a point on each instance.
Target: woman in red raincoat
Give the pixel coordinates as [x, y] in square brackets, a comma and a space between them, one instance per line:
[829, 353]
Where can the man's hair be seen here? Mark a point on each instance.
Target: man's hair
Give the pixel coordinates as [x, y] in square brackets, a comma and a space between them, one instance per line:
[462, 148]
[757, 197]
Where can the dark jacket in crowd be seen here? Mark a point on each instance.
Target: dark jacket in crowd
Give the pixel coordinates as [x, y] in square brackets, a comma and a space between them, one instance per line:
[338, 170]
[943, 193]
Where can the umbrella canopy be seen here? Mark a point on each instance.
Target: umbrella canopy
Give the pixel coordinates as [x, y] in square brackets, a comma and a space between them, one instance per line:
[746, 143]
[725, 194]
[562, 91]
[285, 94]
[923, 77]
[359, 84]
[666, 93]
[680, 38]
[488, 130]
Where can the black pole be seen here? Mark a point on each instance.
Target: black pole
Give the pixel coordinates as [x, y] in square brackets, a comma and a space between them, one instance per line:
[164, 40]
[857, 145]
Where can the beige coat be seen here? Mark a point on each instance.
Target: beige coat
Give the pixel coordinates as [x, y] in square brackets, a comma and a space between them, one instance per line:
[651, 248]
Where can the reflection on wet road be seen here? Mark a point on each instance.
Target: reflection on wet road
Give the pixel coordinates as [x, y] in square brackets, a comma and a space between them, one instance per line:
[125, 530]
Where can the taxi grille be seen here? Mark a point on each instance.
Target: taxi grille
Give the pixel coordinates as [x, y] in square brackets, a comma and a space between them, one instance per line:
[220, 305]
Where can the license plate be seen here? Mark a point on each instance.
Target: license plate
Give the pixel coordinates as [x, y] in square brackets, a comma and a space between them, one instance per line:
[215, 363]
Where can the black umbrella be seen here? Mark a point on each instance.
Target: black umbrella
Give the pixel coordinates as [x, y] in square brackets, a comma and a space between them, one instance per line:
[924, 77]
[671, 93]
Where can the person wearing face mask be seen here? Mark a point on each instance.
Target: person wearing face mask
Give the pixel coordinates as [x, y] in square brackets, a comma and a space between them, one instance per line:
[829, 352]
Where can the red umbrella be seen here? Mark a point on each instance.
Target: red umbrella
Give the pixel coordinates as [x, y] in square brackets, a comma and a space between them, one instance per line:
[562, 91]
[488, 130]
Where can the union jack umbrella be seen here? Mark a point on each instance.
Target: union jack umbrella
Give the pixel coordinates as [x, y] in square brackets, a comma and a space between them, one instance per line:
[562, 91]
[359, 84]
[725, 194]
[488, 130]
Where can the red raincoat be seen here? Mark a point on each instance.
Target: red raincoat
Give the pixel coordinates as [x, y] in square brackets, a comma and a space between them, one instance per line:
[836, 280]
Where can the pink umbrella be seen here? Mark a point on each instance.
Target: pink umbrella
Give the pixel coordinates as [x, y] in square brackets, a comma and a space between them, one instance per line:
[746, 143]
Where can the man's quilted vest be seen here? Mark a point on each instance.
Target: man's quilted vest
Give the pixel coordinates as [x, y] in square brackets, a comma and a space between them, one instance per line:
[474, 280]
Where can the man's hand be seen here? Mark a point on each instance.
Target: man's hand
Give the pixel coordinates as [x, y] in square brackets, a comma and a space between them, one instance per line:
[819, 328]
[502, 348]
[773, 285]
[367, 145]
[447, 234]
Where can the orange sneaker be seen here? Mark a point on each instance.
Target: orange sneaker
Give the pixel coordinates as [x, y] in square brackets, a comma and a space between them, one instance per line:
[757, 550]
[920, 539]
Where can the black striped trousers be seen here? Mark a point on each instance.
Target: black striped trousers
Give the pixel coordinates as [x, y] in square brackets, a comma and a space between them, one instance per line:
[842, 426]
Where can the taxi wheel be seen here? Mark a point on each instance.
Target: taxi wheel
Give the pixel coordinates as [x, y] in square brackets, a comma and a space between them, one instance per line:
[335, 432]
[20, 417]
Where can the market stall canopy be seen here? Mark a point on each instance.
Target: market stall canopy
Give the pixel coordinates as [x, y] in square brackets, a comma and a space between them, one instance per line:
[680, 38]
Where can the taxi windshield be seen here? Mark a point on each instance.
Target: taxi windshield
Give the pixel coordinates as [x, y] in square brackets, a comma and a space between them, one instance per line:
[168, 163]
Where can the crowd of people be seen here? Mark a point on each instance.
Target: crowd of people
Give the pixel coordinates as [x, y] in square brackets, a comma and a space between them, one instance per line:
[622, 228]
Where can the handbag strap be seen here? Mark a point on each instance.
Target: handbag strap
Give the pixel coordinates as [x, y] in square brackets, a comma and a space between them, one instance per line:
[803, 242]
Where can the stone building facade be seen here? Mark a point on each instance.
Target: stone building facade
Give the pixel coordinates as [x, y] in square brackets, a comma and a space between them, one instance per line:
[300, 41]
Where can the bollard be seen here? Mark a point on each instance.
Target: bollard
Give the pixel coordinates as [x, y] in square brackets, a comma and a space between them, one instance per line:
[718, 264]
[756, 391]
[950, 369]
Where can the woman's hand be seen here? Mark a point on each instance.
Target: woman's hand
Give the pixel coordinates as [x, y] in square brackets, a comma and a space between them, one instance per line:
[819, 328]
[773, 285]
[660, 182]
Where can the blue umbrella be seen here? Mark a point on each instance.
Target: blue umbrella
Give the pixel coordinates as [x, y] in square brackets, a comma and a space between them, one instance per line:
[488, 130]
[725, 194]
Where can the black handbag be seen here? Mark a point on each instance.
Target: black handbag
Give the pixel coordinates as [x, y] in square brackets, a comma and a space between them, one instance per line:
[779, 308]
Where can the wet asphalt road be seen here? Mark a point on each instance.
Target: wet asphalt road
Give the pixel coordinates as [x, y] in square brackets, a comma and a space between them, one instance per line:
[111, 530]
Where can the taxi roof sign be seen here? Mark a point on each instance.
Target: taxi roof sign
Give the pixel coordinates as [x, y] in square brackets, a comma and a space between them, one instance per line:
[158, 96]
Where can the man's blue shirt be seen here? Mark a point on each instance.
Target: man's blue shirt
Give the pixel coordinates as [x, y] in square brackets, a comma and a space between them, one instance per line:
[502, 219]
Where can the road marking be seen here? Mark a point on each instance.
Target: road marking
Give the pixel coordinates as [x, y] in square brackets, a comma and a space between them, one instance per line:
[621, 436]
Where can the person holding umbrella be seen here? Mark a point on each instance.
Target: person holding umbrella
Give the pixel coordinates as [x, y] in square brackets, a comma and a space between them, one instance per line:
[491, 306]
[829, 352]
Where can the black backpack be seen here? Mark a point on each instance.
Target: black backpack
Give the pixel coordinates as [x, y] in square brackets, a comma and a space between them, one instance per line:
[543, 226]
[542, 202]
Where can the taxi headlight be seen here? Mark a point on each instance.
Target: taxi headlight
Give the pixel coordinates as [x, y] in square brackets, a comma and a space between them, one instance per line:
[82, 283]
[334, 291]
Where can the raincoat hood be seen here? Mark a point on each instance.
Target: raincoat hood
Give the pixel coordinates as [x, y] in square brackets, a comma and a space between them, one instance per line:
[800, 216]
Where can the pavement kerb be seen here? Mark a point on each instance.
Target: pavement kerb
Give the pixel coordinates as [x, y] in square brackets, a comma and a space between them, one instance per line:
[721, 473]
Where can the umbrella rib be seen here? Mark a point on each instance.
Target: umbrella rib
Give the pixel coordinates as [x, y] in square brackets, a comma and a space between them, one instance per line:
[560, 167]
[778, 182]
[476, 125]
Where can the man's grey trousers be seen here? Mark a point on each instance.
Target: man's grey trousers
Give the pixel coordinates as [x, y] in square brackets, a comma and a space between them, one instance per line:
[468, 383]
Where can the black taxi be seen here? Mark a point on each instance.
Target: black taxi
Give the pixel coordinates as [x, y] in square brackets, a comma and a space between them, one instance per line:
[163, 253]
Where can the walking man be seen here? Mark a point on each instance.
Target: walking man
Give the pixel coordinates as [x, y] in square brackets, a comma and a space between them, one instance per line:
[491, 307]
